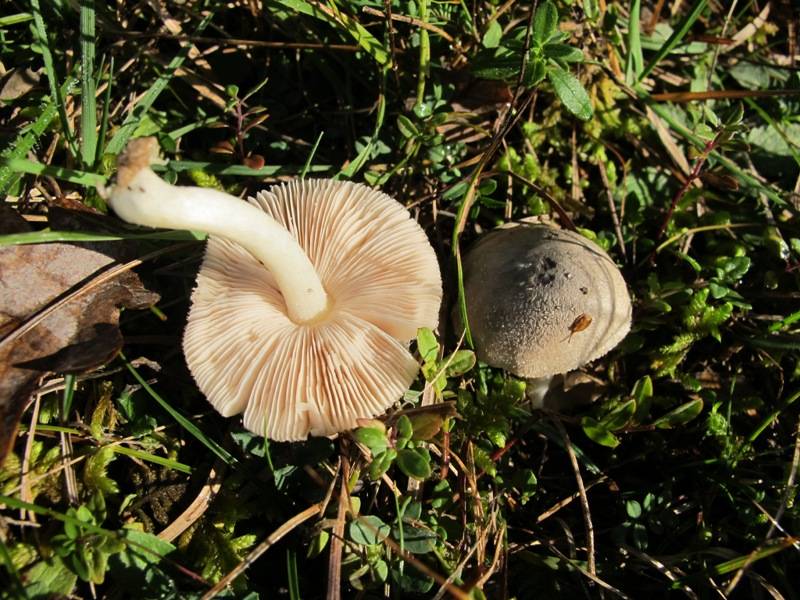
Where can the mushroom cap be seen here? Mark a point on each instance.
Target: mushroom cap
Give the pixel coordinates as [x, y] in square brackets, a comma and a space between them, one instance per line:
[530, 291]
[293, 380]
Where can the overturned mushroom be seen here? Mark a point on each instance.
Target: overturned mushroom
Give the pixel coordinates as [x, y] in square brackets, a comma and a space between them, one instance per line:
[306, 299]
[543, 301]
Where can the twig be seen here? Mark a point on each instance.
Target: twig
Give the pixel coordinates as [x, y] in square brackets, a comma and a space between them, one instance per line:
[410, 20]
[698, 165]
[651, 24]
[70, 480]
[612, 207]
[25, 484]
[720, 95]
[256, 553]
[565, 219]
[664, 570]
[452, 589]
[588, 575]
[587, 516]
[575, 188]
[498, 547]
[334, 591]
[455, 573]
[568, 500]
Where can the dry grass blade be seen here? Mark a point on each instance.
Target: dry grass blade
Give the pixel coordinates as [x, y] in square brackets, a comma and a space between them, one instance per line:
[612, 208]
[587, 515]
[721, 95]
[664, 570]
[567, 501]
[411, 21]
[198, 506]
[334, 591]
[666, 138]
[25, 491]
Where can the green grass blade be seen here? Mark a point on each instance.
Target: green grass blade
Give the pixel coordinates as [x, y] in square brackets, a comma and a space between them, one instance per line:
[770, 418]
[740, 562]
[15, 19]
[311, 156]
[677, 36]
[358, 162]
[69, 394]
[291, 573]
[23, 165]
[182, 131]
[339, 19]
[146, 456]
[634, 63]
[130, 123]
[48, 237]
[25, 142]
[88, 85]
[101, 137]
[424, 53]
[178, 416]
[236, 170]
[40, 427]
[52, 78]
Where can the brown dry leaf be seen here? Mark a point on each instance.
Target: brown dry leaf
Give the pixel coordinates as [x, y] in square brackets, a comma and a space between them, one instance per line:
[18, 82]
[77, 337]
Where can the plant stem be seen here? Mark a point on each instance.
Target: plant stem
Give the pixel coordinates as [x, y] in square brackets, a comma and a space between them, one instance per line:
[698, 165]
[424, 52]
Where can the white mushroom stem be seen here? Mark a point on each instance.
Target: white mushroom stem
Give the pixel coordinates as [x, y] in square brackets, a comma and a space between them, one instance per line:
[142, 197]
[536, 389]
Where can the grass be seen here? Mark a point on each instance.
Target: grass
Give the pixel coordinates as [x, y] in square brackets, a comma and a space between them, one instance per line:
[665, 131]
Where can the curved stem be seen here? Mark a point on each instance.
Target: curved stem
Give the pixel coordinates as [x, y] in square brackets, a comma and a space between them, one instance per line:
[143, 198]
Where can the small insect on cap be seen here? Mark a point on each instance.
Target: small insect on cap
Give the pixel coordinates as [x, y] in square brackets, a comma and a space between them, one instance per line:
[543, 301]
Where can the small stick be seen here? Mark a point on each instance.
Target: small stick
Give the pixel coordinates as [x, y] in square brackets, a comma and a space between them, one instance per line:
[575, 189]
[612, 207]
[566, 501]
[565, 219]
[664, 570]
[410, 20]
[337, 536]
[698, 165]
[25, 484]
[587, 516]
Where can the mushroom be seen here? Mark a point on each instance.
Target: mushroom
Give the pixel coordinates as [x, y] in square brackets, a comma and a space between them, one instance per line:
[306, 299]
[543, 301]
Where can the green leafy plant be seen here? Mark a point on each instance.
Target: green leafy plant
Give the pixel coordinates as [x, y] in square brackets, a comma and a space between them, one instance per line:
[547, 57]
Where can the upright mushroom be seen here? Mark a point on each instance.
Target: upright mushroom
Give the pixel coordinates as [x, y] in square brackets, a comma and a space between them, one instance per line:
[542, 301]
[306, 300]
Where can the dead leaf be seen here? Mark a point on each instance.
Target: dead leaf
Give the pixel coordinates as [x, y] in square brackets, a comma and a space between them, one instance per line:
[18, 82]
[77, 337]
